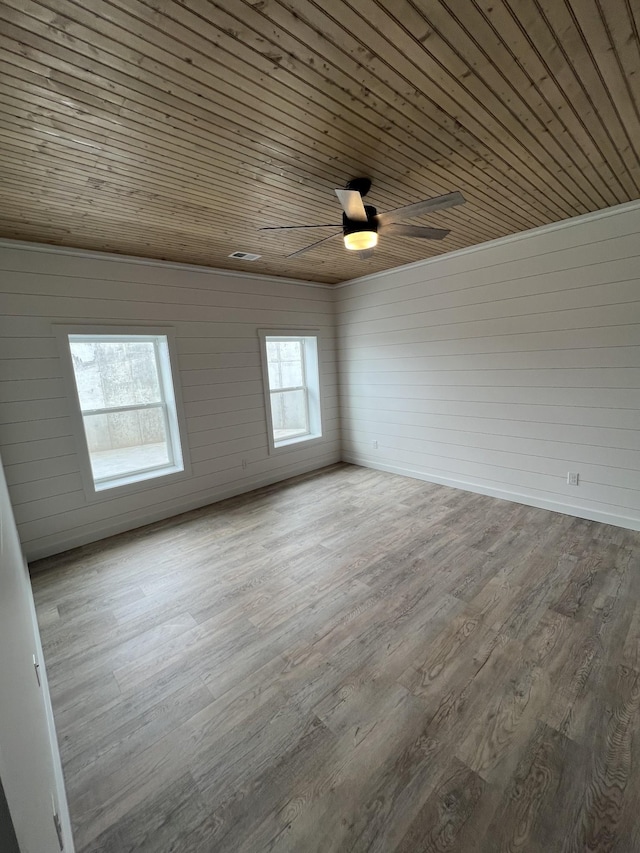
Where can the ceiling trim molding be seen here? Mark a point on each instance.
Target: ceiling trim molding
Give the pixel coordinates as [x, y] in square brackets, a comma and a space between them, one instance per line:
[26, 245]
[617, 209]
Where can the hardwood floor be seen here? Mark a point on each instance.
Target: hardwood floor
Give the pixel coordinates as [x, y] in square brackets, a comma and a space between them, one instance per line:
[351, 661]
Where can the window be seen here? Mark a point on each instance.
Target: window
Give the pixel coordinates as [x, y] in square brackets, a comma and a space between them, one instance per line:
[128, 406]
[292, 387]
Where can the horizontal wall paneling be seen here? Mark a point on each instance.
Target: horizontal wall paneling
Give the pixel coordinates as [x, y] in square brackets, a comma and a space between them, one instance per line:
[502, 368]
[215, 317]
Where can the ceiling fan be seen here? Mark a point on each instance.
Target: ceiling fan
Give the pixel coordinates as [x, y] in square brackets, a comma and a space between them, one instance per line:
[362, 224]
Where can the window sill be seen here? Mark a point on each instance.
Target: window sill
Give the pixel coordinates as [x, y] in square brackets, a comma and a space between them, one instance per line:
[133, 483]
[293, 442]
[139, 477]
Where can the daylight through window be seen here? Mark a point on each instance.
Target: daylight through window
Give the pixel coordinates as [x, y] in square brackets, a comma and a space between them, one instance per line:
[128, 407]
[294, 394]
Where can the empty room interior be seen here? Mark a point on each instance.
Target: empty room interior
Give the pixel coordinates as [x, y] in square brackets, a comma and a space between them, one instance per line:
[320, 426]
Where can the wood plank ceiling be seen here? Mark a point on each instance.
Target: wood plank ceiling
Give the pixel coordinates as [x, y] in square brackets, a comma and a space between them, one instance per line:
[176, 129]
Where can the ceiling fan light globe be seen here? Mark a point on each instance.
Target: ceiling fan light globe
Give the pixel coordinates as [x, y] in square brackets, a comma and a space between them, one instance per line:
[358, 241]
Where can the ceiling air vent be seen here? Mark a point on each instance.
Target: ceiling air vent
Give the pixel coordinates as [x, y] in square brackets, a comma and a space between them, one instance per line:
[244, 256]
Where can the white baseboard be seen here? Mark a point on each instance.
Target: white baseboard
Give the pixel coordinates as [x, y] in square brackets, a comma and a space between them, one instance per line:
[57, 543]
[480, 488]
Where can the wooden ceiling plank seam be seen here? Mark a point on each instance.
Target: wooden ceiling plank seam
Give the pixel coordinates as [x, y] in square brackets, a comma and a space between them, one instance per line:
[628, 48]
[327, 262]
[264, 98]
[274, 68]
[130, 129]
[125, 245]
[13, 187]
[37, 210]
[105, 145]
[579, 67]
[122, 245]
[525, 54]
[0, 63]
[360, 129]
[444, 118]
[68, 198]
[463, 61]
[586, 122]
[118, 219]
[111, 198]
[558, 18]
[12, 66]
[63, 185]
[244, 24]
[110, 203]
[72, 90]
[23, 143]
[437, 78]
[448, 119]
[92, 183]
[542, 220]
[516, 80]
[96, 180]
[86, 179]
[53, 143]
[48, 144]
[237, 109]
[127, 5]
[14, 123]
[635, 24]
[50, 123]
[65, 178]
[622, 80]
[74, 94]
[509, 171]
[384, 117]
[93, 118]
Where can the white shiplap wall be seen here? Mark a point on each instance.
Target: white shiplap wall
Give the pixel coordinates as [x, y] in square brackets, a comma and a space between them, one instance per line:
[215, 317]
[501, 368]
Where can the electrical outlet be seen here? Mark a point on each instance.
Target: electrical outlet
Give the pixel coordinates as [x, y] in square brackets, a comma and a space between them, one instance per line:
[375, 444]
[572, 478]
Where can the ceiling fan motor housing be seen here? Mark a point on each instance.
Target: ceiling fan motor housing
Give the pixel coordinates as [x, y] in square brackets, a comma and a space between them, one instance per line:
[352, 226]
[360, 185]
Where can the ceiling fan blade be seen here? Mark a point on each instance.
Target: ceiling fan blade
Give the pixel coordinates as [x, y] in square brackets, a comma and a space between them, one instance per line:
[421, 207]
[365, 254]
[351, 202]
[422, 231]
[290, 227]
[313, 245]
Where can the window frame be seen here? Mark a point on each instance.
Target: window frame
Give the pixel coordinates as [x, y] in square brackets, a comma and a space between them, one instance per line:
[311, 386]
[171, 402]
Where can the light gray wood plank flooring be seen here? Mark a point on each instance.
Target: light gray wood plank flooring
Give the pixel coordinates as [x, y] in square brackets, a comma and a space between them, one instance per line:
[350, 661]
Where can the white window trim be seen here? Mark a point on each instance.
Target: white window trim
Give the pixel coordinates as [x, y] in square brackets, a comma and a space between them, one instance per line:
[313, 387]
[149, 478]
